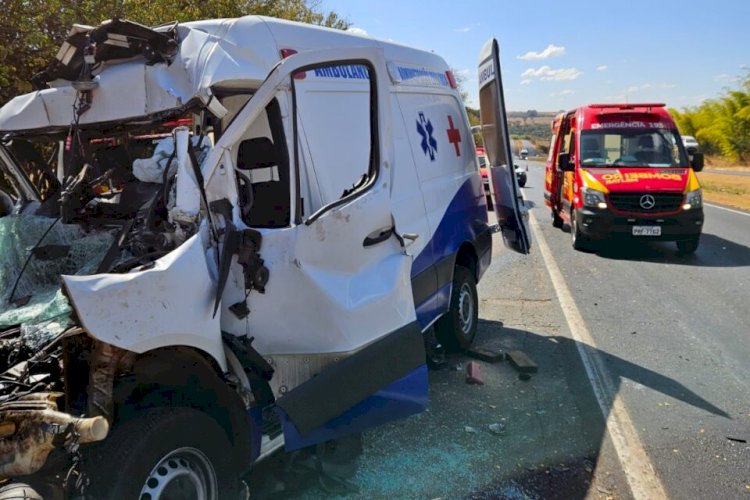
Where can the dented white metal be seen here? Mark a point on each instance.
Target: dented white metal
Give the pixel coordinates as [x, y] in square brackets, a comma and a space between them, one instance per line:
[167, 304]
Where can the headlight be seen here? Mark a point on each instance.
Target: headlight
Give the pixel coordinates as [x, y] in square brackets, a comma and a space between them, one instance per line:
[593, 198]
[694, 199]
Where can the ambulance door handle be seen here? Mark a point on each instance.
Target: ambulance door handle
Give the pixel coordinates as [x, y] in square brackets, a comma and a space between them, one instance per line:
[378, 236]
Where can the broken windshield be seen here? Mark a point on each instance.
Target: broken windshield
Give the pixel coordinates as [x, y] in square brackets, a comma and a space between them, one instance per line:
[632, 148]
[104, 202]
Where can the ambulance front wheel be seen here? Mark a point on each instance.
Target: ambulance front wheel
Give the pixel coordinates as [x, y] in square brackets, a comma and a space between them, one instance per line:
[688, 247]
[577, 238]
[163, 453]
[458, 327]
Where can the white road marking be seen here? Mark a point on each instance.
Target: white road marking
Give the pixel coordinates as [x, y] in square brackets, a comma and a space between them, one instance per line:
[639, 471]
[727, 209]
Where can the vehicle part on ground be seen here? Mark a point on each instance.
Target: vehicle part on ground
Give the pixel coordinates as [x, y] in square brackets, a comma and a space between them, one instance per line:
[457, 329]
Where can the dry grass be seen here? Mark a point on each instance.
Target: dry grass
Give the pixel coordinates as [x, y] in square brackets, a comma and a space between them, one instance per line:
[730, 190]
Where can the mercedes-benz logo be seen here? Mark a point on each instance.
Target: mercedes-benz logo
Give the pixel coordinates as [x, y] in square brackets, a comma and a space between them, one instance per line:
[647, 202]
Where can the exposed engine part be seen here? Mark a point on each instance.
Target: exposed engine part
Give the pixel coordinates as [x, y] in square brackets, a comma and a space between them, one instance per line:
[32, 426]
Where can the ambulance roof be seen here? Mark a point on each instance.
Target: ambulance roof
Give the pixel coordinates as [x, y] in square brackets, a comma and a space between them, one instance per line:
[219, 54]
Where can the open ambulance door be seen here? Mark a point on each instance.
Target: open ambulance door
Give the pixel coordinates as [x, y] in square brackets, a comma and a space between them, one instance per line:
[512, 214]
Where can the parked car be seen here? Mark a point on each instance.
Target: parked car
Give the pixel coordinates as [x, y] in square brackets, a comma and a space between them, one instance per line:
[691, 145]
[521, 175]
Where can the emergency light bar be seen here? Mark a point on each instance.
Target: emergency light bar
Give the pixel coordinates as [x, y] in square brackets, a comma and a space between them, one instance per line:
[629, 106]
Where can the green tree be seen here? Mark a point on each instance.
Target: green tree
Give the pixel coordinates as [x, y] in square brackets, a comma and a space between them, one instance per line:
[721, 126]
[31, 31]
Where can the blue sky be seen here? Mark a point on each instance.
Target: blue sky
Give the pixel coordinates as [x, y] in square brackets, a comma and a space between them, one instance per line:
[558, 55]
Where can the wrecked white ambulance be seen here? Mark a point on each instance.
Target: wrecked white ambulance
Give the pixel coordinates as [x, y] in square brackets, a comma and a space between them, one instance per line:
[222, 237]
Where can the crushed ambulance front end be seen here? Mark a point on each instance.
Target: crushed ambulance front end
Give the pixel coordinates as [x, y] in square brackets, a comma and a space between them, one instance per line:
[102, 227]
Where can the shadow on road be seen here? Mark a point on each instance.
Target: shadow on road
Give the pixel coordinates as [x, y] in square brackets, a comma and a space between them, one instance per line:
[714, 251]
[550, 432]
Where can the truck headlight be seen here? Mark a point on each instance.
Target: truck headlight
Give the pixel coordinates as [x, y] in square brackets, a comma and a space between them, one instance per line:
[593, 198]
[693, 199]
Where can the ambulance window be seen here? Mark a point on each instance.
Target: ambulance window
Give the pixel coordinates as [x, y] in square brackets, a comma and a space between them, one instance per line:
[263, 178]
[335, 113]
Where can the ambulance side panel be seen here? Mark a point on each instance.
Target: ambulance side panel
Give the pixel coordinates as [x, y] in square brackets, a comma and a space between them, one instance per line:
[443, 151]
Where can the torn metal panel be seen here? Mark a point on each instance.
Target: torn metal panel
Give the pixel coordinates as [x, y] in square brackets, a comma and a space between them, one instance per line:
[168, 303]
[211, 54]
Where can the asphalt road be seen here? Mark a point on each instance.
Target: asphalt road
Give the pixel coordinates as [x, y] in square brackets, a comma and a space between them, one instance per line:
[664, 338]
[673, 331]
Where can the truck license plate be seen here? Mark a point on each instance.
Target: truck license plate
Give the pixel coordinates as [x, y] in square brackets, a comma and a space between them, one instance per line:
[646, 230]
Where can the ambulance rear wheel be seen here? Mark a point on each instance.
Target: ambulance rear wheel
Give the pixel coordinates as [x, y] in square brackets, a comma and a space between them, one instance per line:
[458, 327]
[688, 247]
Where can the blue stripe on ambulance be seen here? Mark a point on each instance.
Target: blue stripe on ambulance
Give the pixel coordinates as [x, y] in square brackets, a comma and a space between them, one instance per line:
[464, 220]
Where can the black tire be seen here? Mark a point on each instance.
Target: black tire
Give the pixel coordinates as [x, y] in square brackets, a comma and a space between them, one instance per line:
[578, 240]
[19, 491]
[458, 327]
[522, 180]
[161, 450]
[556, 219]
[688, 247]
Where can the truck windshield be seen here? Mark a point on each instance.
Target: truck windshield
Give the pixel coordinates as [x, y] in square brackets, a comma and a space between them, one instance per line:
[632, 148]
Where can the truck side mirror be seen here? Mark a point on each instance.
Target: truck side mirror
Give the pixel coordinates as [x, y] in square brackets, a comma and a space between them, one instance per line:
[563, 162]
[697, 162]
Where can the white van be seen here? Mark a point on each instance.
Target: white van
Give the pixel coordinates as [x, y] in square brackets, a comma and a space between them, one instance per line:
[257, 224]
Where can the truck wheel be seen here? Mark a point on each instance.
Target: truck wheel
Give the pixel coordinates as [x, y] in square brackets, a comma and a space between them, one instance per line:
[19, 491]
[458, 327]
[164, 453]
[688, 247]
[579, 241]
[556, 219]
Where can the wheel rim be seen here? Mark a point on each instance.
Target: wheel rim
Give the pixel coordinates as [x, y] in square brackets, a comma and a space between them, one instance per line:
[466, 309]
[184, 474]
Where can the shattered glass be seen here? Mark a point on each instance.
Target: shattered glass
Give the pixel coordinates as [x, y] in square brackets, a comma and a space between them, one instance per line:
[38, 303]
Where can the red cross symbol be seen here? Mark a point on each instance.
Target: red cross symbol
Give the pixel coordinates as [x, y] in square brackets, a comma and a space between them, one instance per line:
[454, 137]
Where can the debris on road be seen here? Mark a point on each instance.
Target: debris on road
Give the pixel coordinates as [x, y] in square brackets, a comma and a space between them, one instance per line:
[521, 362]
[469, 429]
[497, 428]
[474, 373]
[487, 355]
